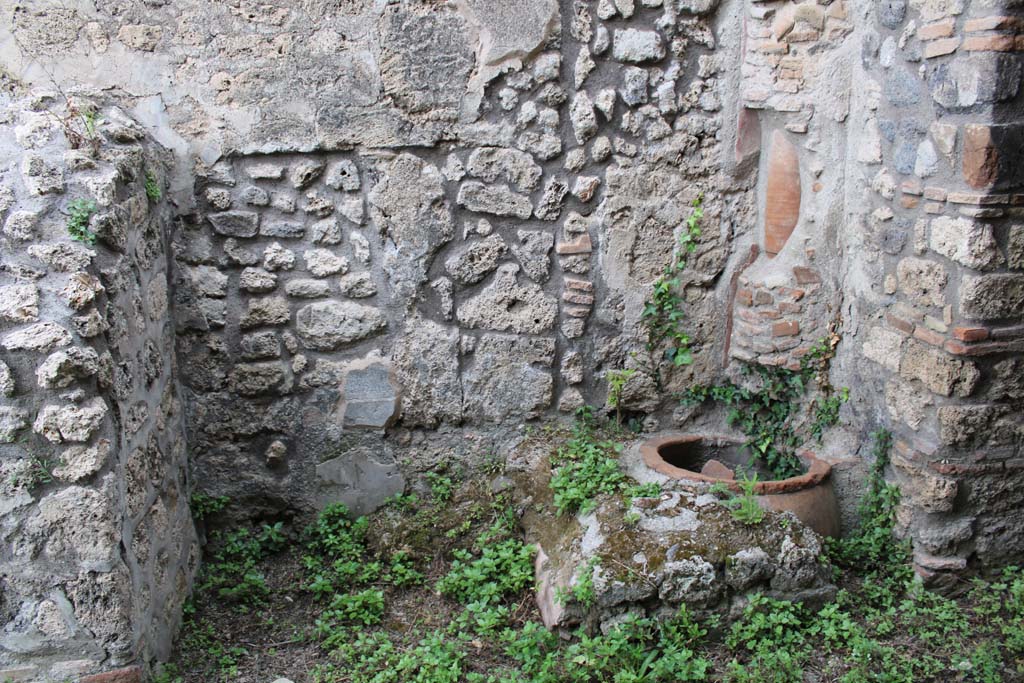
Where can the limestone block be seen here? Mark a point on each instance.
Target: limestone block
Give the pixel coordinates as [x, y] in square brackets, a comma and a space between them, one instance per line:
[506, 305]
[360, 479]
[475, 260]
[511, 165]
[60, 423]
[922, 281]
[40, 337]
[19, 303]
[509, 378]
[938, 371]
[65, 366]
[986, 297]
[967, 242]
[328, 325]
[635, 45]
[426, 362]
[498, 200]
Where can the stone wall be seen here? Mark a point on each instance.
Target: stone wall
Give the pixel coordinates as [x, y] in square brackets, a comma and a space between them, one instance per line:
[400, 231]
[98, 545]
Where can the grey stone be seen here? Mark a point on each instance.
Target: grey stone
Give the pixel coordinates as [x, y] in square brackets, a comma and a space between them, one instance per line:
[63, 257]
[322, 262]
[326, 231]
[235, 223]
[634, 86]
[939, 372]
[271, 310]
[426, 362]
[208, 281]
[276, 257]
[253, 379]
[343, 175]
[549, 208]
[748, 568]
[307, 289]
[975, 78]
[506, 305]
[257, 280]
[922, 281]
[533, 253]
[6, 380]
[19, 303]
[476, 259]
[260, 345]
[989, 297]
[498, 200]
[514, 166]
[21, 225]
[927, 162]
[80, 462]
[289, 230]
[12, 421]
[40, 337]
[635, 45]
[328, 325]
[361, 480]
[891, 13]
[255, 196]
[265, 171]
[692, 581]
[509, 378]
[581, 114]
[904, 157]
[58, 424]
[901, 88]
[63, 367]
[409, 207]
[305, 172]
[965, 241]
[357, 285]
[369, 395]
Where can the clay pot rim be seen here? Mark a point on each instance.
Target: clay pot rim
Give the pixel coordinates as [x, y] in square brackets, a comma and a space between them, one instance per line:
[817, 470]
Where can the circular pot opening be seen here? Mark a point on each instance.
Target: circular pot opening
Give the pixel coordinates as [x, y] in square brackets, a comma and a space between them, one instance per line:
[711, 454]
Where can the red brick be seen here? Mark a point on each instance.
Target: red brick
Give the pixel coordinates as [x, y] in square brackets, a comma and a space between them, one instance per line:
[909, 201]
[970, 334]
[938, 48]
[770, 314]
[1010, 332]
[980, 156]
[131, 674]
[578, 298]
[787, 307]
[934, 207]
[786, 329]
[582, 245]
[805, 275]
[928, 336]
[977, 199]
[995, 23]
[772, 47]
[935, 194]
[900, 324]
[991, 43]
[911, 187]
[940, 29]
[580, 285]
[577, 312]
[745, 297]
[958, 348]
[792, 293]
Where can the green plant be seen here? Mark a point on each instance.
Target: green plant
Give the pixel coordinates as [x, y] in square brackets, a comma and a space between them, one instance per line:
[662, 314]
[617, 380]
[766, 414]
[581, 588]
[584, 468]
[152, 185]
[872, 547]
[203, 505]
[441, 487]
[499, 568]
[745, 507]
[826, 412]
[402, 571]
[80, 211]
